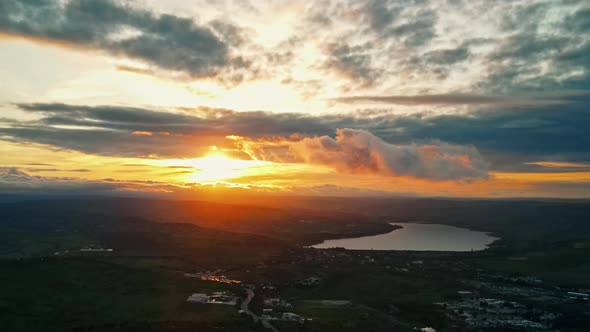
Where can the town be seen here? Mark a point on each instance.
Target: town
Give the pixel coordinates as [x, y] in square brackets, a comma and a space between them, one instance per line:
[474, 298]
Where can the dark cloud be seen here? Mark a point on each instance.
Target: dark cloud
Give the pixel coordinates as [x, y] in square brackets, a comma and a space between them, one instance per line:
[506, 135]
[471, 99]
[579, 22]
[165, 123]
[447, 99]
[541, 59]
[530, 46]
[411, 22]
[382, 32]
[165, 41]
[525, 16]
[418, 31]
[128, 131]
[577, 58]
[539, 45]
[352, 62]
[447, 56]
[537, 63]
[14, 180]
[438, 63]
[104, 142]
[380, 14]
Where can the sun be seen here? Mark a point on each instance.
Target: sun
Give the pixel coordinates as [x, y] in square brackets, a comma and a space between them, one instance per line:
[216, 167]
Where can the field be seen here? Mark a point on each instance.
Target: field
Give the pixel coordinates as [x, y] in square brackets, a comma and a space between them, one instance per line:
[87, 294]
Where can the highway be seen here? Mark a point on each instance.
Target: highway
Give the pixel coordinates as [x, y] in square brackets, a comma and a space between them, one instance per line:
[244, 307]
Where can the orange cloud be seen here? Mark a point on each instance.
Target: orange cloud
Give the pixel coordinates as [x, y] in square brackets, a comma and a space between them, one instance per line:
[558, 164]
[359, 151]
[546, 177]
[143, 133]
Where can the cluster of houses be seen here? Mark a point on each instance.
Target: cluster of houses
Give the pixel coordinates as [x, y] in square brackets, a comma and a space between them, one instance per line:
[493, 313]
[284, 316]
[279, 309]
[226, 298]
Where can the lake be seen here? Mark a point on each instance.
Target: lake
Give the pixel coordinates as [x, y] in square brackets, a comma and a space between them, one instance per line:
[418, 237]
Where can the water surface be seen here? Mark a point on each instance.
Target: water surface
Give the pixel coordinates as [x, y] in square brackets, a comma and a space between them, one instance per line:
[419, 237]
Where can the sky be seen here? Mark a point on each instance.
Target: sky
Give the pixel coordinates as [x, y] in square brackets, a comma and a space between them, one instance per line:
[446, 98]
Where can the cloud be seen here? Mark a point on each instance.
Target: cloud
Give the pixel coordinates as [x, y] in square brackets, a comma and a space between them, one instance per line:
[418, 31]
[18, 182]
[416, 45]
[545, 50]
[538, 133]
[555, 167]
[410, 22]
[153, 122]
[579, 21]
[545, 99]
[369, 39]
[76, 170]
[380, 14]
[442, 99]
[14, 180]
[139, 132]
[553, 164]
[413, 45]
[447, 56]
[506, 134]
[359, 151]
[351, 62]
[165, 41]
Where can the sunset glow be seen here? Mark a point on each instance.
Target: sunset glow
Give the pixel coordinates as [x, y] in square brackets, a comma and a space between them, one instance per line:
[295, 96]
[215, 167]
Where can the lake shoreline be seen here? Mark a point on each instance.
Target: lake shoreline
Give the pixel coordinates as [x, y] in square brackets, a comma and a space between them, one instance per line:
[417, 236]
[497, 235]
[377, 228]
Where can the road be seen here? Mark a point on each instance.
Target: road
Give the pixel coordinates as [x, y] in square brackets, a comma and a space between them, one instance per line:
[256, 318]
